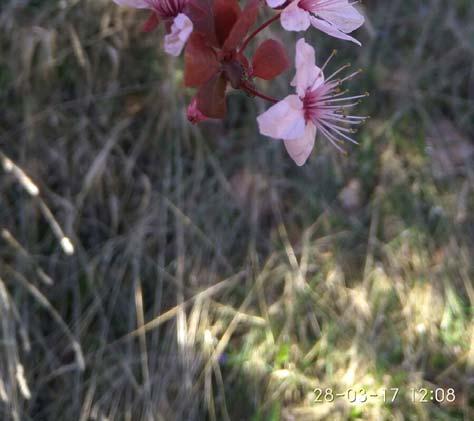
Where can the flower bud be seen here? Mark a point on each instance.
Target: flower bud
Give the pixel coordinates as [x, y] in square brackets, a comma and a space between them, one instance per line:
[194, 114]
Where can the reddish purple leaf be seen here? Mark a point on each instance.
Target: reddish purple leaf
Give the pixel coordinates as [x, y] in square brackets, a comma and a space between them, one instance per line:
[201, 14]
[246, 20]
[270, 60]
[200, 61]
[211, 97]
[226, 13]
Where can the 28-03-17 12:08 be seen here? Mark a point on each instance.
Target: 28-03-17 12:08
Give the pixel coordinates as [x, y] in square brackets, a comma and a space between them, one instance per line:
[389, 395]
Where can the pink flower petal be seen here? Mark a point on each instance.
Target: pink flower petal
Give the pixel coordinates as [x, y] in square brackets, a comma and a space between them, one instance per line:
[308, 75]
[331, 30]
[275, 3]
[194, 114]
[180, 31]
[342, 15]
[284, 120]
[137, 4]
[300, 149]
[294, 18]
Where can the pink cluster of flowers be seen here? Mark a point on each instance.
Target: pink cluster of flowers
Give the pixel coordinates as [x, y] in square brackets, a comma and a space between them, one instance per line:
[215, 34]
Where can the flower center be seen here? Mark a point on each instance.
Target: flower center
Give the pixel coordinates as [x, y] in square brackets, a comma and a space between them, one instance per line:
[311, 105]
[167, 9]
[313, 5]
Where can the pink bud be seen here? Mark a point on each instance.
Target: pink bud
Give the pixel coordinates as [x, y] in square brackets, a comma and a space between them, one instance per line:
[194, 114]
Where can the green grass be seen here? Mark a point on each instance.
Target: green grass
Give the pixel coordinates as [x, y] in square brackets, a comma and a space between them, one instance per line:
[211, 278]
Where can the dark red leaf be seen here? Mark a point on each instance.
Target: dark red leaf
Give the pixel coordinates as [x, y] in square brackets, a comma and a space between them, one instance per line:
[226, 13]
[211, 97]
[270, 60]
[200, 61]
[201, 14]
[151, 23]
[246, 20]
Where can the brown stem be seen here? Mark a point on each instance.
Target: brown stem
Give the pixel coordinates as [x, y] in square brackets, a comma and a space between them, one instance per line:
[258, 30]
[251, 90]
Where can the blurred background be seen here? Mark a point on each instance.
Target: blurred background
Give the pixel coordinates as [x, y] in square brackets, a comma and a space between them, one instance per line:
[155, 270]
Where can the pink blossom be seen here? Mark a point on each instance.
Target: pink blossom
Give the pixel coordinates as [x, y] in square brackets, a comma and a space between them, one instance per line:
[169, 11]
[334, 17]
[194, 114]
[180, 31]
[318, 106]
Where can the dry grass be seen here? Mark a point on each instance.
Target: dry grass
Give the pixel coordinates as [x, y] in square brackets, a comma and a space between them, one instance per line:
[152, 270]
